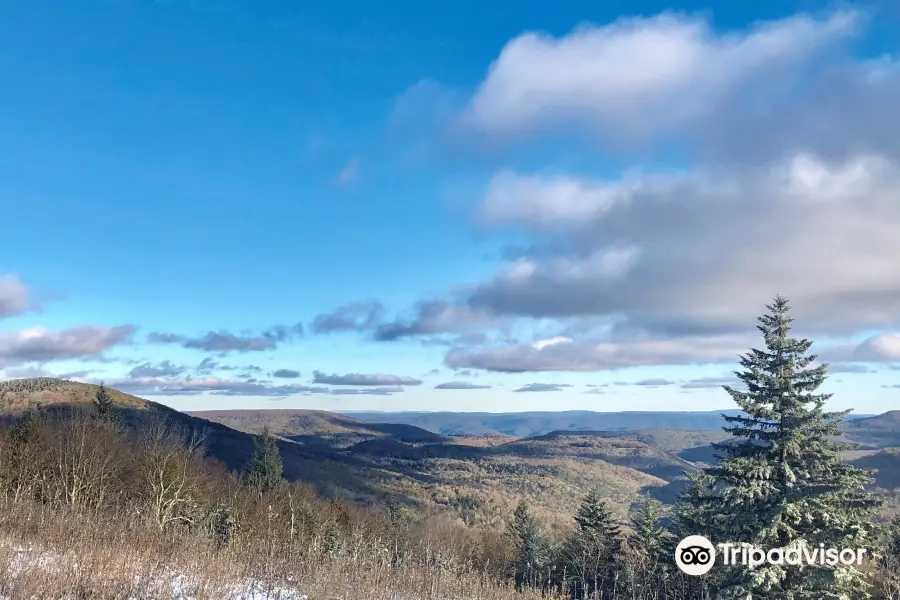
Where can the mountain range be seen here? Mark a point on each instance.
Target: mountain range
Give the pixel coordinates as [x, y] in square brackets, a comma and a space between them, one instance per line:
[475, 466]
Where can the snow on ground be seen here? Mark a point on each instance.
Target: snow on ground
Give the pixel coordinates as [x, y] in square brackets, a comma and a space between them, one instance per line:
[181, 585]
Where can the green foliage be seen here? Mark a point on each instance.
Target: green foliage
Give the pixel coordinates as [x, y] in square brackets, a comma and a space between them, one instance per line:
[781, 481]
[103, 404]
[892, 538]
[533, 552]
[266, 470]
[23, 431]
[650, 537]
[589, 555]
[34, 384]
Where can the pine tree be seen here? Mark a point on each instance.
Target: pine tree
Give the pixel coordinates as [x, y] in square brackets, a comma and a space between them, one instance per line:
[590, 553]
[23, 431]
[532, 557]
[650, 537]
[780, 481]
[696, 512]
[645, 564]
[265, 473]
[892, 538]
[887, 576]
[103, 403]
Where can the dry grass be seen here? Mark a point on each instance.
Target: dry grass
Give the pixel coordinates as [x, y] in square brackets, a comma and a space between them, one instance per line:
[52, 554]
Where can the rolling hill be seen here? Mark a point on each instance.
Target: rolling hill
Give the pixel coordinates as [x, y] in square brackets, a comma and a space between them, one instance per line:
[315, 426]
[332, 474]
[880, 431]
[527, 424]
[474, 476]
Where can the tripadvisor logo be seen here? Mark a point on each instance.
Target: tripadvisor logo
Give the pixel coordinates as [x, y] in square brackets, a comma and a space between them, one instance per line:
[696, 555]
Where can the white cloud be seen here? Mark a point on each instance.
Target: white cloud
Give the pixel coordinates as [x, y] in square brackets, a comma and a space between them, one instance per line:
[348, 173]
[540, 201]
[217, 386]
[599, 355]
[884, 347]
[642, 75]
[39, 344]
[712, 248]
[787, 182]
[14, 296]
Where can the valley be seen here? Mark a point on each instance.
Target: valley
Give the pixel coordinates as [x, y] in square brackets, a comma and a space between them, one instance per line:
[479, 476]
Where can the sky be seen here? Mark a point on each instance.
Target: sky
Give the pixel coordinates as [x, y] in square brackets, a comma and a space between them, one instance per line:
[473, 207]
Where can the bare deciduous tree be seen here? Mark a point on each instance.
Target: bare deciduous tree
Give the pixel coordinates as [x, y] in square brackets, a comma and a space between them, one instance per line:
[167, 461]
[82, 468]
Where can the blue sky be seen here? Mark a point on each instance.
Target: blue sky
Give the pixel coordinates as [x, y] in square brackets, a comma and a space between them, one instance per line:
[590, 204]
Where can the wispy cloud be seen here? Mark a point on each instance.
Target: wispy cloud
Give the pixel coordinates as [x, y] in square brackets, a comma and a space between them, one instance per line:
[543, 387]
[163, 369]
[15, 298]
[348, 174]
[460, 385]
[286, 374]
[359, 379]
[654, 382]
[364, 315]
[225, 341]
[158, 386]
[39, 344]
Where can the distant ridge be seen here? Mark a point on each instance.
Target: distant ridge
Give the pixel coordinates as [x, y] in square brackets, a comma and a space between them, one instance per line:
[526, 424]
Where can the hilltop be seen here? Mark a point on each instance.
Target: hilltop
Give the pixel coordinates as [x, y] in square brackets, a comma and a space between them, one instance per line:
[529, 424]
[880, 431]
[309, 425]
[477, 479]
[331, 474]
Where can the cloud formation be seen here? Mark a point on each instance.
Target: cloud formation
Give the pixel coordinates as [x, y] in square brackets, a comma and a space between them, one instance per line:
[672, 266]
[646, 261]
[39, 344]
[598, 355]
[15, 298]
[163, 369]
[711, 382]
[286, 374]
[358, 379]
[654, 382]
[460, 385]
[159, 386]
[225, 341]
[356, 316]
[543, 387]
[377, 391]
[639, 77]
[436, 316]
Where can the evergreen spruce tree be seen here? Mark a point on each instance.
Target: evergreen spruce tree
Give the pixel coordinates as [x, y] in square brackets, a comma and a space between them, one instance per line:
[23, 431]
[533, 554]
[696, 512]
[892, 538]
[590, 554]
[103, 403]
[780, 482]
[266, 469]
[650, 537]
[647, 560]
[887, 576]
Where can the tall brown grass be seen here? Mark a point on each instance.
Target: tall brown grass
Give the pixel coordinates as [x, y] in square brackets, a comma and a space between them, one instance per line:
[81, 516]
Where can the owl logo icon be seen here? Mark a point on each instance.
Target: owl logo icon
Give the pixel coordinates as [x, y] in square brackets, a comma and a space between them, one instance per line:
[695, 555]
